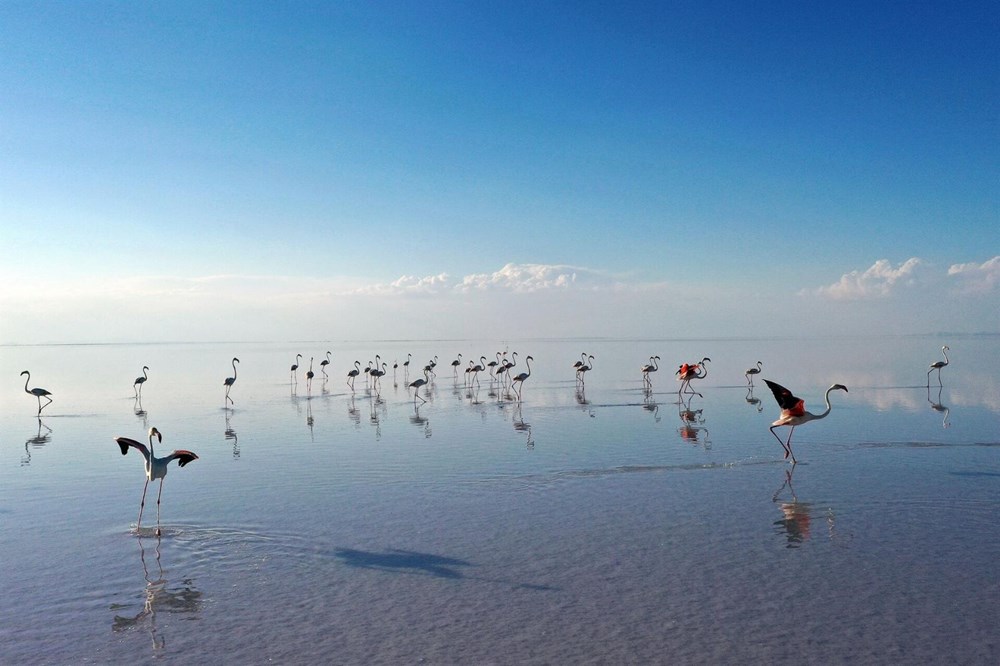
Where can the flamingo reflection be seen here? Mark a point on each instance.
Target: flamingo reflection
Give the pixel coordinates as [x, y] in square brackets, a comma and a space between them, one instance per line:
[650, 405]
[520, 425]
[754, 401]
[420, 421]
[796, 521]
[937, 406]
[692, 424]
[39, 440]
[230, 434]
[158, 596]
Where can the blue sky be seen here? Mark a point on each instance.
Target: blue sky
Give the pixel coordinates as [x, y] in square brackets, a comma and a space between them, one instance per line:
[349, 170]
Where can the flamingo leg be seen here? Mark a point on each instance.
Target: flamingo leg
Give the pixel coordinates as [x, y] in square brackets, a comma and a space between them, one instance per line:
[158, 508]
[788, 451]
[142, 504]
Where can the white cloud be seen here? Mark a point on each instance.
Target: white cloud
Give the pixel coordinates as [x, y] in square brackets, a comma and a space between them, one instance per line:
[977, 278]
[878, 281]
[513, 278]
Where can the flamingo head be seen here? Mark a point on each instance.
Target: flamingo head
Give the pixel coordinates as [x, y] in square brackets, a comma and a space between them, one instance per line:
[839, 387]
[153, 432]
[25, 373]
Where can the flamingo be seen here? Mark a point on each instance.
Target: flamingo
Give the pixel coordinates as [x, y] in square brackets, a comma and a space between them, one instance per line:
[476, 369]
[231, 380]
[936, 365]
[578, 364]
[156, 468]
[753, 371]
[295, 366]
[37, 392]
[377, 375]
[687, 371]
[416, 384]
[454, 364]
[353, 373]
[652, 366]
[325, 362]
[793, 412]
[583, 369]
[406, 367]
[310, 374]
[139, 381]
[521, 377]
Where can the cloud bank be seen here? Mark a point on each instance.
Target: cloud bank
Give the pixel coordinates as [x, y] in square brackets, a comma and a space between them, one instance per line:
[882, 280]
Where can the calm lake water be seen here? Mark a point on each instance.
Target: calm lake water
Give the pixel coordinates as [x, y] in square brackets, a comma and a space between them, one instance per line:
[602, 525]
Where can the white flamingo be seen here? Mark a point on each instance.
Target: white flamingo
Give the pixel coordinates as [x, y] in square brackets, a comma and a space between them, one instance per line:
[793, 412]
[156, 468]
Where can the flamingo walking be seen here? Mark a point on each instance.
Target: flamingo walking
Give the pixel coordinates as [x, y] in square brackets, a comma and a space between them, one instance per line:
[353, 373]
[793, 412]
[37, 392]
[937, 365]
[753, 371]
[585, 368]
[521, 377]
[139, 381]
[156, 468]
[416, 384]
[230, 381]
[652, 366]
[325, 362]
[688, 371]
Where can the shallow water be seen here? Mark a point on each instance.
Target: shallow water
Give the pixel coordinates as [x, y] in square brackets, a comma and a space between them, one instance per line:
[603, 525]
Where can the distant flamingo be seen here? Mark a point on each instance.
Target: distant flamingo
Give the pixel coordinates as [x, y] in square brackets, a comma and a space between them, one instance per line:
[294, 368]
[310, 374]
[793, 412]
[139, 381]
[231, 380]
[416, 384]
[156, 468]
[578, 364]
[476, 369]
[406, 367]
[753, 371]
[37, 392]
[353, 373]
[937, 365]
[653, 366]
[521, 377]
[454, 364]
[585, 368]
[325, 362]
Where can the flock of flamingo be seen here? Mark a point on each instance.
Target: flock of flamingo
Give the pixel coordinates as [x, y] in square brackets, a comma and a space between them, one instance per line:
[793, 411]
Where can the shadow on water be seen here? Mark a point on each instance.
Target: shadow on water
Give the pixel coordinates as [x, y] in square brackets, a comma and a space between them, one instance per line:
[420, 564]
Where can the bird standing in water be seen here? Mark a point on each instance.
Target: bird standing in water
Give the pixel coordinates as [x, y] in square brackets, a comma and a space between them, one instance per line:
[139, 381]
[230, 381]
[793, 412]
[37, 392]
[937, 365]
[156, 468]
